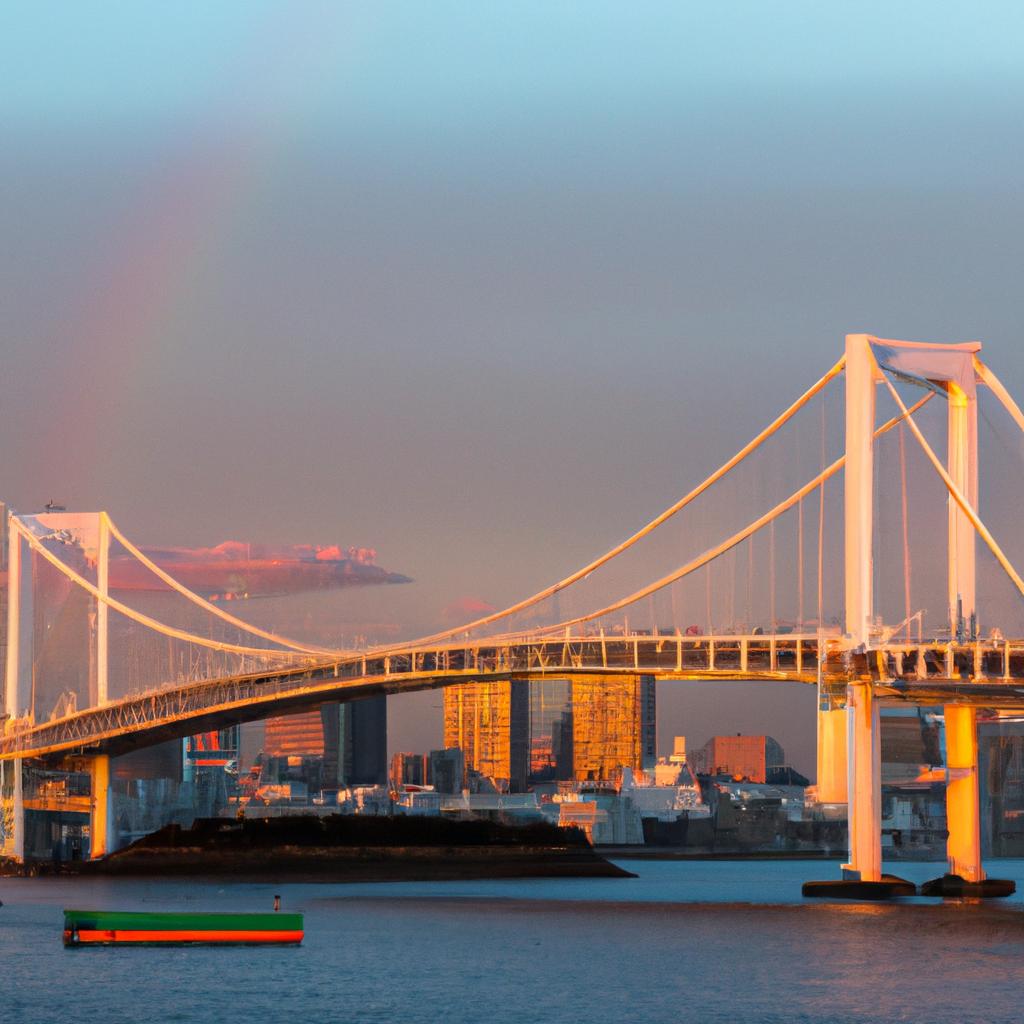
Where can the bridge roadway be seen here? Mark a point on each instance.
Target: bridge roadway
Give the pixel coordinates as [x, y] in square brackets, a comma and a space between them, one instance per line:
[984, 674]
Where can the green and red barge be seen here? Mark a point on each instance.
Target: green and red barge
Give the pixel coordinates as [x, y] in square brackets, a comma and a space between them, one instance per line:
[130, 928]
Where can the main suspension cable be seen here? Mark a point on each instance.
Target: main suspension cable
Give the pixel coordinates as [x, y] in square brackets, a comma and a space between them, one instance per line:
[529, 602]
[729, 544]
[207, 605]
[144, 620]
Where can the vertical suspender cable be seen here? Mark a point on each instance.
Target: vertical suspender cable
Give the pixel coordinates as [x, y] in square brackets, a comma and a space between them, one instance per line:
[955, 492]
[750, 581]
[800, 566]
[707, 597]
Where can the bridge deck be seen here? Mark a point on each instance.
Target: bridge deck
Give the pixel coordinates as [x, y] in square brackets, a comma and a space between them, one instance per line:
[988, 674]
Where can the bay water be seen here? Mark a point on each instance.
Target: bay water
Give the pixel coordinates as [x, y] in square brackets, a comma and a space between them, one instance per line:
[701, 941]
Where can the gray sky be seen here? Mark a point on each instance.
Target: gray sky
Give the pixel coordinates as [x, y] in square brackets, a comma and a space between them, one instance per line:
[481, 286]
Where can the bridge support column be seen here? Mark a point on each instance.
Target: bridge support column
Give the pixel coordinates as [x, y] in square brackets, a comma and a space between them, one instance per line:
[101, 815]
[965, 875]
[864, 784]
[12, 809]
[862, 876]
[831, 785]
[963, 811]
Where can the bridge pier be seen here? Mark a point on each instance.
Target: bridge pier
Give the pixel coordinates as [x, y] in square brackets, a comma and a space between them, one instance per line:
[12, 810]
[101, 807]
[864, 785]
[831, 784]
[965, 875]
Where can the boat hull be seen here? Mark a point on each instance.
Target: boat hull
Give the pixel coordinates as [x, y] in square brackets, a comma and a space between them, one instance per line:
[122, 928]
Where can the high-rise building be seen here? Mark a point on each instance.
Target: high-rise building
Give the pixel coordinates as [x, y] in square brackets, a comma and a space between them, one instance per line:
[518, 732]
[490, 723]
[352, 739]
[549, 706]
[613, 725]
[363, 742]
[299, 735]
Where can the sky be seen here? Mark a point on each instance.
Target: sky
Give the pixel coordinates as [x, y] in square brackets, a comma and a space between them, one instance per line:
[481, 286]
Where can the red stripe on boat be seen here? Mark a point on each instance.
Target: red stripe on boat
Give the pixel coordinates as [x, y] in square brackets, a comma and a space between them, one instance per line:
[121, 936]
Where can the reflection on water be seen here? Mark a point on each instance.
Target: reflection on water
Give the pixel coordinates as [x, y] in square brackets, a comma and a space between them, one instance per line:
[692, 941]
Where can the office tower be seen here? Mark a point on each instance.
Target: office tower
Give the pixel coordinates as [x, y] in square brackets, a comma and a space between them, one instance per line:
[351, 738]
[490, 723]
[613, 725]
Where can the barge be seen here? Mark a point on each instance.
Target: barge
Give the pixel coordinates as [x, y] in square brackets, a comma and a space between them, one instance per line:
[131, 928]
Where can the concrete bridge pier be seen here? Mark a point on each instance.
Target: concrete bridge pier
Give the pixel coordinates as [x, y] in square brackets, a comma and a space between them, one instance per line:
[862, 873]
[12, 811]
[101, 807]
[965, 875]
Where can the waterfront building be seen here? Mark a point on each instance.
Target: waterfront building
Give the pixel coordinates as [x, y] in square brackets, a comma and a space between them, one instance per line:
[447, 770]
[613, 725]
[300, 735]
[678, 755]
[550, 739]
[408, 770]
[751, 758]
[363, 742]
[518, 733]
[1001, 750]
[489, 723]
[351, 738]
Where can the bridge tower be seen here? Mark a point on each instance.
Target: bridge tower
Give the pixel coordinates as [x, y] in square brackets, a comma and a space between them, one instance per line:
[864, 768]
[951, 370]
[17, 684]
[17, 693]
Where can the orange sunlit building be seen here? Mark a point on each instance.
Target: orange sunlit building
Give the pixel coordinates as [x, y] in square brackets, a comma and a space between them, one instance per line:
[515, 732]
[490, 723]
[742, 757]
[613, 725]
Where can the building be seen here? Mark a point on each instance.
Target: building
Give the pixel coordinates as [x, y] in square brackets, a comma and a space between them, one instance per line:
[518, 733]
[363, 742]
[678, 755]
[550, 711]
[750, 758]
[351, 738]
[300, 735]
[1001, 776]
[613, 725]
[490, 724]
[409, 770]
[447, 770]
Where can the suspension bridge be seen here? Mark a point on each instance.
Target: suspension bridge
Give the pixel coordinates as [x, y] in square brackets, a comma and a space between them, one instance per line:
[227, 670]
